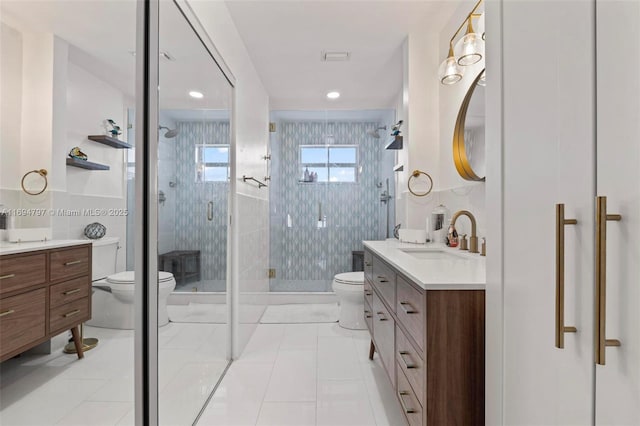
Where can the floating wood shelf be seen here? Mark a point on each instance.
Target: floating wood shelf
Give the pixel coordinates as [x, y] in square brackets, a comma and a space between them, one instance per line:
[83, 164]
[394, 143]
[398, 167]
[108, 140]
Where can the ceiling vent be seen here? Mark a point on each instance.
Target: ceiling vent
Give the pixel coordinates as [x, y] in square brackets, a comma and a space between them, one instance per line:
[334, 56]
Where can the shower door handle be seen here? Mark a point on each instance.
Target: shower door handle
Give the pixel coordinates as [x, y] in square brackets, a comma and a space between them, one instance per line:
[210, 211]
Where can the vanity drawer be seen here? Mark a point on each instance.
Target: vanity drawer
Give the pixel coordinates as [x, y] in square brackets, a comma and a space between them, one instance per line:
[368, 265]
[384, 280]
[66, 316]
[22, 320]
[69, 291]
[69, 262]
[411, 364]
[22, 271]
[383, 336]
[368, 316]
[411, 310]
[408, 400]
[368, 292]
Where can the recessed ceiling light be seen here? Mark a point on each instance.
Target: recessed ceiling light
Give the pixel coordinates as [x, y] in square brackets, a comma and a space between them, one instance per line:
[197, 95]
[333, 95]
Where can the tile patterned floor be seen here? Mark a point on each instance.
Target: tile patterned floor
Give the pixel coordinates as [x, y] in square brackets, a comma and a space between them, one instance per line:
[57, 389]
[305, 374]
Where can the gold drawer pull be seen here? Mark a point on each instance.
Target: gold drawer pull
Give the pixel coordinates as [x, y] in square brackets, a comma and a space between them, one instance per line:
[75, 290]
[601, 342]
[367, 314]
[383, 279]
[72, 313]
[401, 395]
[367, 263]
[407, 308]
[367, 293]
[561, 222]
[7, 276]
[73, 262]
[407, 365]
[5, 313]
[382, 317]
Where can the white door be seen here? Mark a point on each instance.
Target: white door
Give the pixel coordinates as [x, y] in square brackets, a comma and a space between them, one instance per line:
[549, 158]
[618, 170]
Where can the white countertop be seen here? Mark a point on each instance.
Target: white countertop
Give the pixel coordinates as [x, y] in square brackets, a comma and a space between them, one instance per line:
[12, 248]
[460, 271]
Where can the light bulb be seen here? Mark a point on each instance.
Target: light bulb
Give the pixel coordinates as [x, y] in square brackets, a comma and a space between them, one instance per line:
[450, 72]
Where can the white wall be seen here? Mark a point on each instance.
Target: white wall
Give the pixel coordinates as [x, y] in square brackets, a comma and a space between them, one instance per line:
[430, 110]
[252, 204]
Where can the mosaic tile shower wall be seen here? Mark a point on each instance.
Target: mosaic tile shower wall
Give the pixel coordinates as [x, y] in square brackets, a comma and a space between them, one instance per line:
[306, 256]
[193, 230]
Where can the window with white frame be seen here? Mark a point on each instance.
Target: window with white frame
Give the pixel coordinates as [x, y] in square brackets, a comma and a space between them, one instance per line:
[212, 163]
[329, 163]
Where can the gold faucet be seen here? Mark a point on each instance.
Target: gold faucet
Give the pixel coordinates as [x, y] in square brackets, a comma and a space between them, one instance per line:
[473, 240]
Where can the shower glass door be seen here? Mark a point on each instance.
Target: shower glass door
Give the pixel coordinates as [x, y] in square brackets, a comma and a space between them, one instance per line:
[194, 145]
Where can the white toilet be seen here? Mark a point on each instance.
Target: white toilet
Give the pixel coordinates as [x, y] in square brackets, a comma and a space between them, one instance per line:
[113, 293]
[349, 287]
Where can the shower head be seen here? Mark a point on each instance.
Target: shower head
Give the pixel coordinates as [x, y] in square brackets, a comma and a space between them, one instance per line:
[375, 132]
[170, 133]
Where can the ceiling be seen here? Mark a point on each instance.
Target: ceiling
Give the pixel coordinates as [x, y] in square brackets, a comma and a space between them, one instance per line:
[285, 40]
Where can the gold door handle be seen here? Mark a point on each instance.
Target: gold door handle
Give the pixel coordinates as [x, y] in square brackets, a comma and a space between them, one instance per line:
[4, 277]
[601, 279]
[74, 262]
[561, 222]
[5, 313]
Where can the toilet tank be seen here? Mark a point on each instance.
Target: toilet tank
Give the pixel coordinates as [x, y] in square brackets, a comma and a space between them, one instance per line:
[103, 257]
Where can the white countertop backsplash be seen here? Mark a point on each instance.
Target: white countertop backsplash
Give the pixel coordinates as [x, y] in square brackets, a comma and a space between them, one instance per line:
[13, 248]
[463, 271]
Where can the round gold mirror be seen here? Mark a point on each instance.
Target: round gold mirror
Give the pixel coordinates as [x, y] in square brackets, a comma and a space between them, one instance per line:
[468, 135]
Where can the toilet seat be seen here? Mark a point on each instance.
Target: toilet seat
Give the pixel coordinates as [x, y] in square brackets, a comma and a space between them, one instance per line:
[350, 278]
[127, 278]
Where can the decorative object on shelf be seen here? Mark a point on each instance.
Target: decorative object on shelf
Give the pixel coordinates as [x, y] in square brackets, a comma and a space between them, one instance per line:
[39, 188]
[115, 129]
[415, 175]
[396, 138]
[395, 130]
[95, 231]
[468, 50]
[77, 154]
[468, 134]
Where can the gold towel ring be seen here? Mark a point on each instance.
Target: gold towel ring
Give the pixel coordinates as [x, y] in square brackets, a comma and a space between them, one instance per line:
[41, 172]
[415, 174]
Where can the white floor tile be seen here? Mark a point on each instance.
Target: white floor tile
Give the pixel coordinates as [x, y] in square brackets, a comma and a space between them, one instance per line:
[344, 403]
[333, 330]
[238, 413]
[119, 389]
[337, 359]
[287, 414]
[385, 405]
[244, 382]
[300, 336]
[294, 377]
[264, 344]
[94, 413]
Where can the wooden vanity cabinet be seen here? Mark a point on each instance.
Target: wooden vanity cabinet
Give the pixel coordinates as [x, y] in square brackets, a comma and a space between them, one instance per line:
[42, 294]
[431, 343]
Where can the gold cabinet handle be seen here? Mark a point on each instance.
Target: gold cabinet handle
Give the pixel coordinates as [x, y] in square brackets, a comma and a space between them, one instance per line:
[401, 395]
[72, 313]
[368, 293]
[407, 308]
[382, 279]
[74, 262]
[561, 222]
[407, 365]
[367, 263]
[4, 277]
[367, 314]
[5, 313]
[67, 293]
[601, 341]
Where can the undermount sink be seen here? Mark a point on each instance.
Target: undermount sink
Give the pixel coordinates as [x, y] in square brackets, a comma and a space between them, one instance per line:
[431, 254]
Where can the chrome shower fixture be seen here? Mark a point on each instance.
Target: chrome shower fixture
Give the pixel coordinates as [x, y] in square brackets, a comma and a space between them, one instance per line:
[375, 132]
[170, 133]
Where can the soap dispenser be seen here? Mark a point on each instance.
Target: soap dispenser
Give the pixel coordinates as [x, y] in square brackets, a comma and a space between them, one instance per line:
[452, 236]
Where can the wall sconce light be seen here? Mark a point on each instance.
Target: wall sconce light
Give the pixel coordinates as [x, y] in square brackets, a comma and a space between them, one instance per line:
[468, 50]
